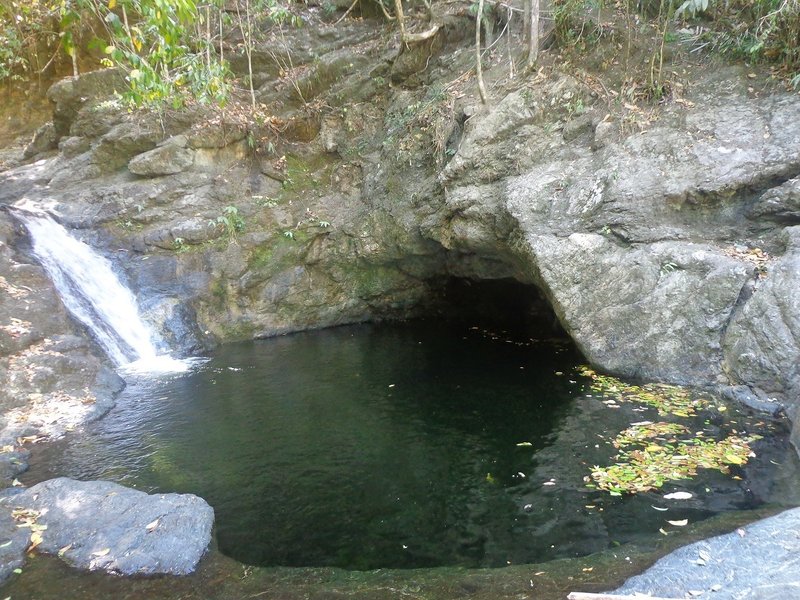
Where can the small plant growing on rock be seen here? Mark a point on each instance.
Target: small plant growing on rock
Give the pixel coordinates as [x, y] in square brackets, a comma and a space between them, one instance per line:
[179, 244]
[230, 222]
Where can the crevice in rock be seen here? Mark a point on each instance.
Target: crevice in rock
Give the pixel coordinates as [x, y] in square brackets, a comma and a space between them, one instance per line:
[745, 293]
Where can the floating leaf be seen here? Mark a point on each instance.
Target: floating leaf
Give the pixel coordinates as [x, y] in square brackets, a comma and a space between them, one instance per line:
[681, 523]
[36, 539]
[678, 496]
[152, 525]
[524, 444]
[102, 552]
[6, 544]
[64, 550]
[734, 459]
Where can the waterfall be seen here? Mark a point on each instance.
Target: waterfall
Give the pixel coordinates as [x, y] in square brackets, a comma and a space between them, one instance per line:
[95, 296]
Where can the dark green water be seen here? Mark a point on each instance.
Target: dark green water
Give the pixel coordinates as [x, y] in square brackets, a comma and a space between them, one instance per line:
[395, 446]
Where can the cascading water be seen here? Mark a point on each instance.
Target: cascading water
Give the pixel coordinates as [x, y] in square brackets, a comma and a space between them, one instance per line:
[95, 296]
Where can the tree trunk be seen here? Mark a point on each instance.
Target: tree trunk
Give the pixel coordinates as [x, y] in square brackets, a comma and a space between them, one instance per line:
[533, 33]
[478, 67]
[526, 18]
[398, 12]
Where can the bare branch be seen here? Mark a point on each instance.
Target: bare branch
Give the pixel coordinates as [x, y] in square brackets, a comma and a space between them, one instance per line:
[347, 12]
[412, 38]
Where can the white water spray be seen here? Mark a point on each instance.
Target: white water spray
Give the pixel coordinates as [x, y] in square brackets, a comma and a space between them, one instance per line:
[95, 296]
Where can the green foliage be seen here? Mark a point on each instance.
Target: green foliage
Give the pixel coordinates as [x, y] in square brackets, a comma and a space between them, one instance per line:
[691, 8]
[230, 222]
[180, 246]
[159, 44]
[166, 62]
[765, 30]
[12, 59]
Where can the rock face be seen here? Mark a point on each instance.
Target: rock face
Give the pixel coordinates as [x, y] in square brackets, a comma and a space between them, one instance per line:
[758, 561]
[664, 240]
[54, 378]
[169, 158]
[98, 525]
[762, 345]
[649, 248]
[620, 319]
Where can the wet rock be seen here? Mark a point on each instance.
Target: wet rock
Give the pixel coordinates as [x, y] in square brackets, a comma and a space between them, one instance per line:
[99, 525]
[170, 157]
[755, 399]
[758, 561]
[13, 542]
[54, 378]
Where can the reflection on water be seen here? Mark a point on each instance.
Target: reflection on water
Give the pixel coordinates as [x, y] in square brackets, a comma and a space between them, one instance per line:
[396, 446]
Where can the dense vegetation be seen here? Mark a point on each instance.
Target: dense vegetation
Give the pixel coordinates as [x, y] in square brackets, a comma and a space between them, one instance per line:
[175, 51]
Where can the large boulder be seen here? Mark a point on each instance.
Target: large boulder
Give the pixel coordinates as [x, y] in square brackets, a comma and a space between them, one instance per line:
[99, 525]
[44, 139]
[762, 342]
[758, 561]
[657, 311]
[642, 244]
[168, 158]
[72, 94]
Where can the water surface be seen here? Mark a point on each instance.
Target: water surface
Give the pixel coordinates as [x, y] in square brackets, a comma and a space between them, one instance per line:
[416, 445]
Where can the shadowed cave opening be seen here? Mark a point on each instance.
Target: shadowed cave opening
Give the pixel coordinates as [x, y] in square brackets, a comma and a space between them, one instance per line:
[506, 305]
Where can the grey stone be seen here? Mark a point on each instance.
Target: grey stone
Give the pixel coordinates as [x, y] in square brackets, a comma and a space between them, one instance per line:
[656, 311]
[73, 145]
[762, 342]
[167, 159]
[99, 525]
[781, 203]
[577, 127]
[44, 140]
[13, 540]
[760, 561]
[122, 142]
[71, 94]
[755, 399]
[603, 134]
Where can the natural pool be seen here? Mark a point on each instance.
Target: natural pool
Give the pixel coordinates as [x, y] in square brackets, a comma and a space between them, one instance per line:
[398, 446]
